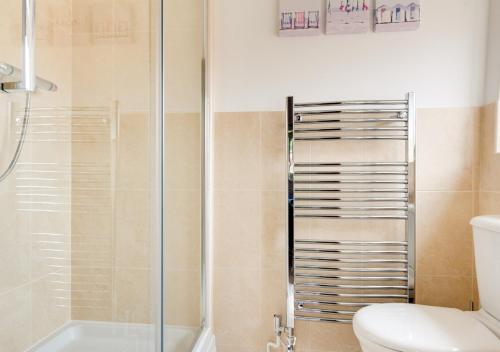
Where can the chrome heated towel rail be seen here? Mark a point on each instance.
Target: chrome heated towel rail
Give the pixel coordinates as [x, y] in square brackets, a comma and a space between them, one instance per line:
[330, 279]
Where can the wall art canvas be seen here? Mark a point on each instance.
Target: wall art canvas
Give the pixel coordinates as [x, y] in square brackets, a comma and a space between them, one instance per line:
[347, 16]
[300, 17]
[397, 15]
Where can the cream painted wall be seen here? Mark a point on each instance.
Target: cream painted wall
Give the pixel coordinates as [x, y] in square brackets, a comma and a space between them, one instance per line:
[254, 69]
[493, 57]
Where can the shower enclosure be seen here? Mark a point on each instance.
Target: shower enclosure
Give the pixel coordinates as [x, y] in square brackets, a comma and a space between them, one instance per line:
[102, 169]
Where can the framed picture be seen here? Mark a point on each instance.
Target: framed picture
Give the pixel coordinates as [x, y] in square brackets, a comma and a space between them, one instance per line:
[397, 15]
[347, 16]
[300, 17]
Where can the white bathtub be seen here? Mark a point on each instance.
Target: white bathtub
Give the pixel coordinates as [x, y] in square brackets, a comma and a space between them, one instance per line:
[89, 336]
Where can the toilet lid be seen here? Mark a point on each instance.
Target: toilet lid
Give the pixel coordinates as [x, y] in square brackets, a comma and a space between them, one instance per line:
[417, 328]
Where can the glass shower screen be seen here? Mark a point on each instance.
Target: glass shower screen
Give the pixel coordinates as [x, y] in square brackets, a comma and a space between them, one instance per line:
[84, 264]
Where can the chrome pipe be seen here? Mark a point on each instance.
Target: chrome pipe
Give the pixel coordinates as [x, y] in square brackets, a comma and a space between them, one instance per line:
[324, 320]
[349, 200]
[315, 207]
[351, 270]
[352, 120]
[353, 287]
[351, 164]
[352, 278]
[348, 111]
[351, 260]
[325, 311]
[73, 109]
[348, 181]
[351, 173]
[326, 303]
[290, 218]
[349, 251]
[411, 223]
[350, 243]
[29, 41]
[350, 129]
[352, 102]
[350, 190]
[353, 138]
[353, 217]
[350, 295]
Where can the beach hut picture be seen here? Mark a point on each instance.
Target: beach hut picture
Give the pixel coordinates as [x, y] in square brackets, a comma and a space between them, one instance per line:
[300, 17]
[313, 19]
[397, 15]
[286, 20]
[347, 16]
[413, 12]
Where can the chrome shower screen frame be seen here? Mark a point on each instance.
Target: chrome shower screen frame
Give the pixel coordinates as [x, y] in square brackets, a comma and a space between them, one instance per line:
[160, 172]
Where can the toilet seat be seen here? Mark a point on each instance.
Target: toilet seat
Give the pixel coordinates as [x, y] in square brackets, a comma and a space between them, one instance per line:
[417, 328]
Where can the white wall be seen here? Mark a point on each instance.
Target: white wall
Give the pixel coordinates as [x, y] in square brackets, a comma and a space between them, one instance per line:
[254, 69]
[493, 58]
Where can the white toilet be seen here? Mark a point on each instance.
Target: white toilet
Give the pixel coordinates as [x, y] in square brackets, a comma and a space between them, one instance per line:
[416, 328]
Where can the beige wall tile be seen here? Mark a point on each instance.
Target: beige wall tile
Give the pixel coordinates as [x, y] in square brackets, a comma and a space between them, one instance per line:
[334, 338]
[183, 230]
[357, 230]
[183, 56]
[273, 242]
[303, 333]
[444, 291]
[234, 348]
[15, 259]
[51, 305]
[135, 13]
[475, 146]
[489, 203]
[91, 223]
[273, 301]
[132, 238]
[131, 62]
[238, 224]
[93, 16]
[183, 151]
[15, 322]
[237, 150]
[7, 198]
[475, 294]
[91, 293]
[92, 64]
[489, 160]
[51, 254]
[274, 160]
[133, 159]
[444, 236]
[132, 292]
[445, 156]
[238, 307]
[183, 13]
[182, 305]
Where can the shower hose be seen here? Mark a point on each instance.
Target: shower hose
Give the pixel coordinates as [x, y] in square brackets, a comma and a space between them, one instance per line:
[20, 143]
